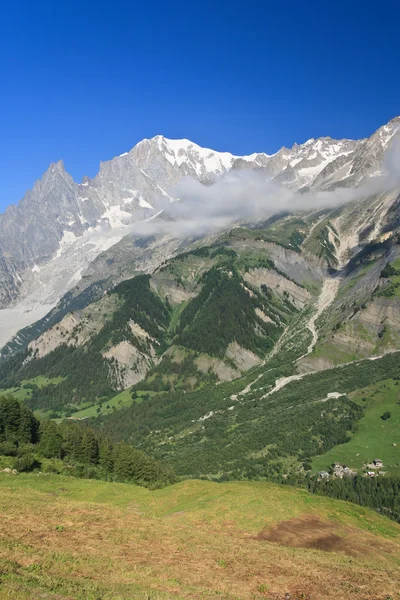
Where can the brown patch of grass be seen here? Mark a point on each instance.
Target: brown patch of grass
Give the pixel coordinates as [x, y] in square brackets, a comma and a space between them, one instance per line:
[119, 552]
[310, 531]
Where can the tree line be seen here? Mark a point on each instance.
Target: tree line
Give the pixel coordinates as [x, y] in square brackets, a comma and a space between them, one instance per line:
[379, 493]
[74, 447]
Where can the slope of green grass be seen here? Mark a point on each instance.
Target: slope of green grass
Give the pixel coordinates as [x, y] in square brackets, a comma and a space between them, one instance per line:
[62, 537]
[21, 392]
[392, 271]
[334, 354]
[374, 438]
[121, 400]
[226, 431]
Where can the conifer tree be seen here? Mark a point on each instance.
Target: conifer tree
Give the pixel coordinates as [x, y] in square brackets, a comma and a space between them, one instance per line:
[90, 449]
[106, 459]
[28, 426]
[50, 445]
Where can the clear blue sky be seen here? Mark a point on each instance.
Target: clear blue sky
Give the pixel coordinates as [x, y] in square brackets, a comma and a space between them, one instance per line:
[84, 81]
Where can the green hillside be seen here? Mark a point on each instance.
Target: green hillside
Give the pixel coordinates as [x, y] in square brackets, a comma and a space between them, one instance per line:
[374, 437]
[68, 538]
[196, 314]
[233, 430]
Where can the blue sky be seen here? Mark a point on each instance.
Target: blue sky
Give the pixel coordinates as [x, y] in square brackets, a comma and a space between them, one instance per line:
[84, 81]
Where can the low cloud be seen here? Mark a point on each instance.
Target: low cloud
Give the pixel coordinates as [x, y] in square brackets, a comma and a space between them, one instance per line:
[241, 196]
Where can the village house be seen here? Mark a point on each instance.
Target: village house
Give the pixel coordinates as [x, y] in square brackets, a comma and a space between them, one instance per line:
[341, 471]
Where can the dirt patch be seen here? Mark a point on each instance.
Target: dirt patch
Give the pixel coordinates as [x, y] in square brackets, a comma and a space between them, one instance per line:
[311, 532]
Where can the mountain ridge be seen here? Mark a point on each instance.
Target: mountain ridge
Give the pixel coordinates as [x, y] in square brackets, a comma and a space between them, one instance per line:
[49, 239]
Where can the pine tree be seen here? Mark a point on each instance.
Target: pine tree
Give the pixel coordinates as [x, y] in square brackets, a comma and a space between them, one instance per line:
[106, 459]
[72, 442]
[28, 426]
[10, 416]
[123, 467]
[50, 445]
[90, 449]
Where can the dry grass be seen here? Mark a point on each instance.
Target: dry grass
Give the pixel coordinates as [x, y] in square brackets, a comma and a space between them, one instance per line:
[66, 538]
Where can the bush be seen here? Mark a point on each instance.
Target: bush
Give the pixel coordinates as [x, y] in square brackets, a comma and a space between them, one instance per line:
[50, 467]
[388, 271]
[24, 449]
[386, 415]
[8, 449]
[54, 415]
[26, 462]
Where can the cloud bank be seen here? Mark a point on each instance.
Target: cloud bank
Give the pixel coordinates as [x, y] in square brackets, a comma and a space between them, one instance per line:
[241, 196]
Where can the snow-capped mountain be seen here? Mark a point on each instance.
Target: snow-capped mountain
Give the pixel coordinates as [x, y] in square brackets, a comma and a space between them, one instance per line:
[60, 226]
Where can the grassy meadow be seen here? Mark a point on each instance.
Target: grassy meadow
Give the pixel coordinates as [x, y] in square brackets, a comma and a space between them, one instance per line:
[374, 437]
[62, 537]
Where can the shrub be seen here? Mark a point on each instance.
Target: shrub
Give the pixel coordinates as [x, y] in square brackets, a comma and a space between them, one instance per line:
[50, 467]
[8, 449]
[24, 449]
[26, 462]
[388, 271]
[386, 415]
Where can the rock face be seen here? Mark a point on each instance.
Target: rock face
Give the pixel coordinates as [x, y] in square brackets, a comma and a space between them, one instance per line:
[282, 286]
[49, 239]
[75, 329]
[130, 364]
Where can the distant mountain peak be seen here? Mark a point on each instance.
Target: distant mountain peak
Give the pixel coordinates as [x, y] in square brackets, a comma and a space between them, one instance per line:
[62, 226]
[56, 167]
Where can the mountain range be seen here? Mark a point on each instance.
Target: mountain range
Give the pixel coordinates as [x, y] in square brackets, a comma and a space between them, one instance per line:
[50, 240]
[190, 341]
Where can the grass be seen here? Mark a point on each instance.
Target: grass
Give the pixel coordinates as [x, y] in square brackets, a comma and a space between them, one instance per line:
[121, 400]
[62, 537]
[393, 289]
[176, 315]
[334, 354]
[21, 392]
[374, 437]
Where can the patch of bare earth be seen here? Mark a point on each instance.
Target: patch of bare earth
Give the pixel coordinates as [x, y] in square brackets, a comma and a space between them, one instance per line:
[311, 532]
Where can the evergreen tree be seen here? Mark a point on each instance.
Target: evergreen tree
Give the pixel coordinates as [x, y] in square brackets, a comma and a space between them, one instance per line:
[72, 442]
[90, 449]
[123, 467]
[50, 445]
[106, 459]
[10, 412]
[28, 426]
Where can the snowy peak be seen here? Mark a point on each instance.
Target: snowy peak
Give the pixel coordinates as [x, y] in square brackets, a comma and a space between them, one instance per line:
[58, 214]
[185, 156]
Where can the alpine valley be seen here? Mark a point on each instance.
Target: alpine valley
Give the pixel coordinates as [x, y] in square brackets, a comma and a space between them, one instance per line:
[194, 315]
[237, 350]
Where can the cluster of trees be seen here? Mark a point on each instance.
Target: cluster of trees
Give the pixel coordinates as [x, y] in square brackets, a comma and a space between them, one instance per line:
[223, 312]
[84, 452]
[380, 493]
[258, 437]
[97, 379]
[216, 251]
[169, 375]
[389, 272]
[288, 233]
[254, 439]
[141, 305]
